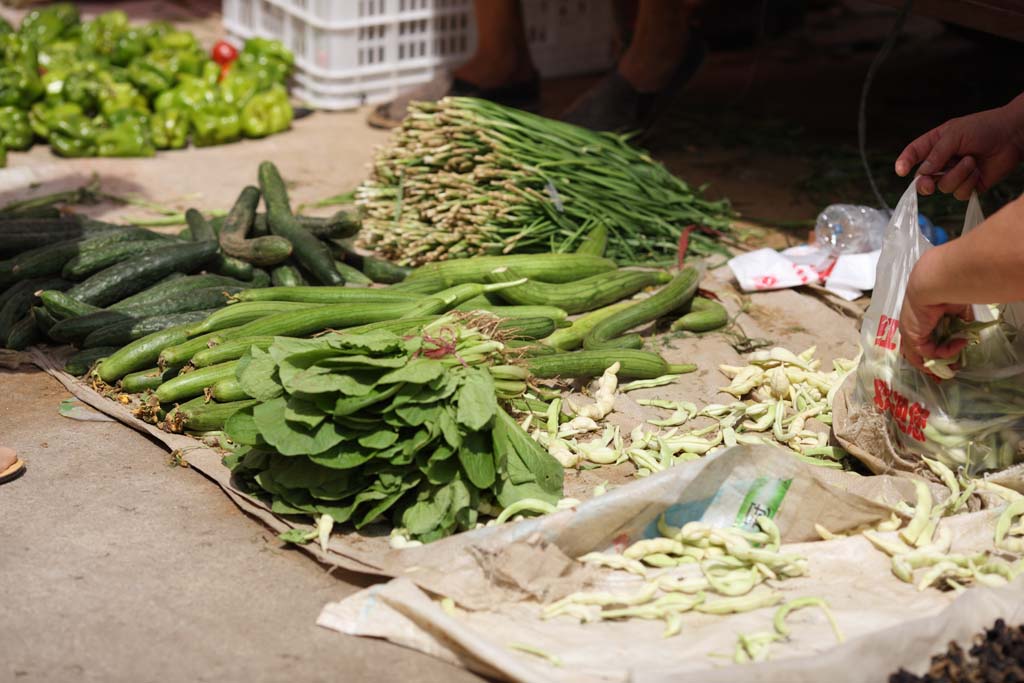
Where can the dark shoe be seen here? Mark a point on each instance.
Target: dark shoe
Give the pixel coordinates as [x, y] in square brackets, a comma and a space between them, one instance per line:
[615, 105]
[520, 95]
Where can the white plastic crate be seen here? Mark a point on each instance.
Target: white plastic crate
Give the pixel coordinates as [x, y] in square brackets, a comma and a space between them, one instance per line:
[354, 52]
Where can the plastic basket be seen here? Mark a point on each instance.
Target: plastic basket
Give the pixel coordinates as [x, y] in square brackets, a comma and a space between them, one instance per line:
[354, 52]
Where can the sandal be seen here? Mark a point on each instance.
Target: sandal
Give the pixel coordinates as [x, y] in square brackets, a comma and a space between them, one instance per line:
[520, 95]
[615, 105]
[15, 470]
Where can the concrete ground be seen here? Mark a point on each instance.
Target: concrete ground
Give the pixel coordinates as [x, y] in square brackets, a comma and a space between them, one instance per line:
[117, 566]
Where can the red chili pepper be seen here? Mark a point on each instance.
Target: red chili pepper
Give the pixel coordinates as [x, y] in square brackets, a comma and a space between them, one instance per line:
[684, 244]
[223, 52]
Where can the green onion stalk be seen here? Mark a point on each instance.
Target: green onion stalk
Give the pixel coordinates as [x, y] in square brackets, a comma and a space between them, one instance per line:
[465, 176]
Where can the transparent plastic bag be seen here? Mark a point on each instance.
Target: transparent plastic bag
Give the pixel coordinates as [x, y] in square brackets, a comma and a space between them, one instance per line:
[975, 419]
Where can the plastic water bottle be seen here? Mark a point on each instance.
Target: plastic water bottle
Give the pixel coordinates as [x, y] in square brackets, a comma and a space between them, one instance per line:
[851, 229]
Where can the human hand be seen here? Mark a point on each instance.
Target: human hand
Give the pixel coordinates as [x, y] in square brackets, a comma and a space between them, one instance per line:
[974, 152]
[920, 316]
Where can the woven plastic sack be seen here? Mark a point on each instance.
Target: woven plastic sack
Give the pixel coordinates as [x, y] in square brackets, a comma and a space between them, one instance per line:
[975, 419]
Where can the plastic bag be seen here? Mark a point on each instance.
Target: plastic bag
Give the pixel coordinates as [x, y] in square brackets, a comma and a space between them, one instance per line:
[975, 419]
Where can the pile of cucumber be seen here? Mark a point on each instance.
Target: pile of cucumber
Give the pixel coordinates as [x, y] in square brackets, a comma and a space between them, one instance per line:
[95, 285]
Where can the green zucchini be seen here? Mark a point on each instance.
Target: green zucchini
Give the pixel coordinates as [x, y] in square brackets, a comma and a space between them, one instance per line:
[182, 353]
[80, 363]
[705, 315]
[128, 277]
[307, 321]
[340, 224]
[286, 275]
[23, 334]
[44, 321]
[62, 306]
[571, 338]
[192, 384]
[552, 312]
[578, 296]
[199, 228]
[134, 328]
[230, 350]
[43, 261]
[228, 389]
[139, 354]
[146, 380]
[207, 417]
[439, 275]
[243, 313]
[527, 328]
[633, 364]
[260, 251]
[671, 297]
[595, 242]
[310, 252]
[93, 260]
[326, 295]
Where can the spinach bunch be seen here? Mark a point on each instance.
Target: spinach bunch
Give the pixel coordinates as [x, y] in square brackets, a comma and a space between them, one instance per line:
[372, 426]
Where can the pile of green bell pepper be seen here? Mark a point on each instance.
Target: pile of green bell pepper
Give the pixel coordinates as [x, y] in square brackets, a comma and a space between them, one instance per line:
[107, 88]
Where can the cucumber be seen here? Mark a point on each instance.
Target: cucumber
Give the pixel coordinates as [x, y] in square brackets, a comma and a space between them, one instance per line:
[595, 242]
[135, 328]
[260, 251]
[93, 260]
[44, 321]
[671, 297]
[307, 321]
[260, 278]
[192, 384]
[243, 313]
[182, 353]
[20, 298]
[439, 275]
[207, 298]
[286, 275]
[374, 268]
[340, 224]
[23, 334]
[230, 350]
[229, 266]
[181, 285]
[128, 277]
[310, 252]
[634, 364]
[527, 328]
[43, 261]
[199, 228]
[79, 364]
[62, 306]
[352, 275]
[552, 312]
[705, 315]
[146, 380]
[326, 295]
[228, 390]
[572, 337]
[139, 354]
[20, 234]
[74, 330]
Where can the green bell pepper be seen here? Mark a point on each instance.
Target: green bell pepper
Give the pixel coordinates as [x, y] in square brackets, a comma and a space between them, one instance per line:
[267, 60]
[18, 51]
[79, 87]
[19, 86]
[60, 54]
[238, 86]
[72, 134]
[169, 128]
[15, 131]
[100, 35]
[215, 124]
[190, 94]
[179, 41]
[3, 156]
[5, 27]
[42, 26]
[127, 134]
[267, 113]
[117, 96]
[151, 76]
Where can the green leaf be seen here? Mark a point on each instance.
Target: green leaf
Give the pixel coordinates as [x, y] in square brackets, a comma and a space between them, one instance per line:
[415, 415]
[343, 457]
[349, 405]
[339, 363]
[257, 375]
[297, 536]
[378, 440]
[317, 380]
[477, 459]
[378, 342]
[477, 401]
[291, 439]
[529, 471]
[242, 429]
[302, 412]
[449, 427]
[416, 371]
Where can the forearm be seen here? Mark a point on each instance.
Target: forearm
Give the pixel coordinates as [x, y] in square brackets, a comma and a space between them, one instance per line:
[986, 266]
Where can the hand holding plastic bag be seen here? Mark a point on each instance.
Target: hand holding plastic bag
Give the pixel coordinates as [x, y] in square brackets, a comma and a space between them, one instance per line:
[975, 418]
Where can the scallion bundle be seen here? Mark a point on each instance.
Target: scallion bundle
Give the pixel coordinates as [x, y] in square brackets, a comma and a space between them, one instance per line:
[464, 176]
